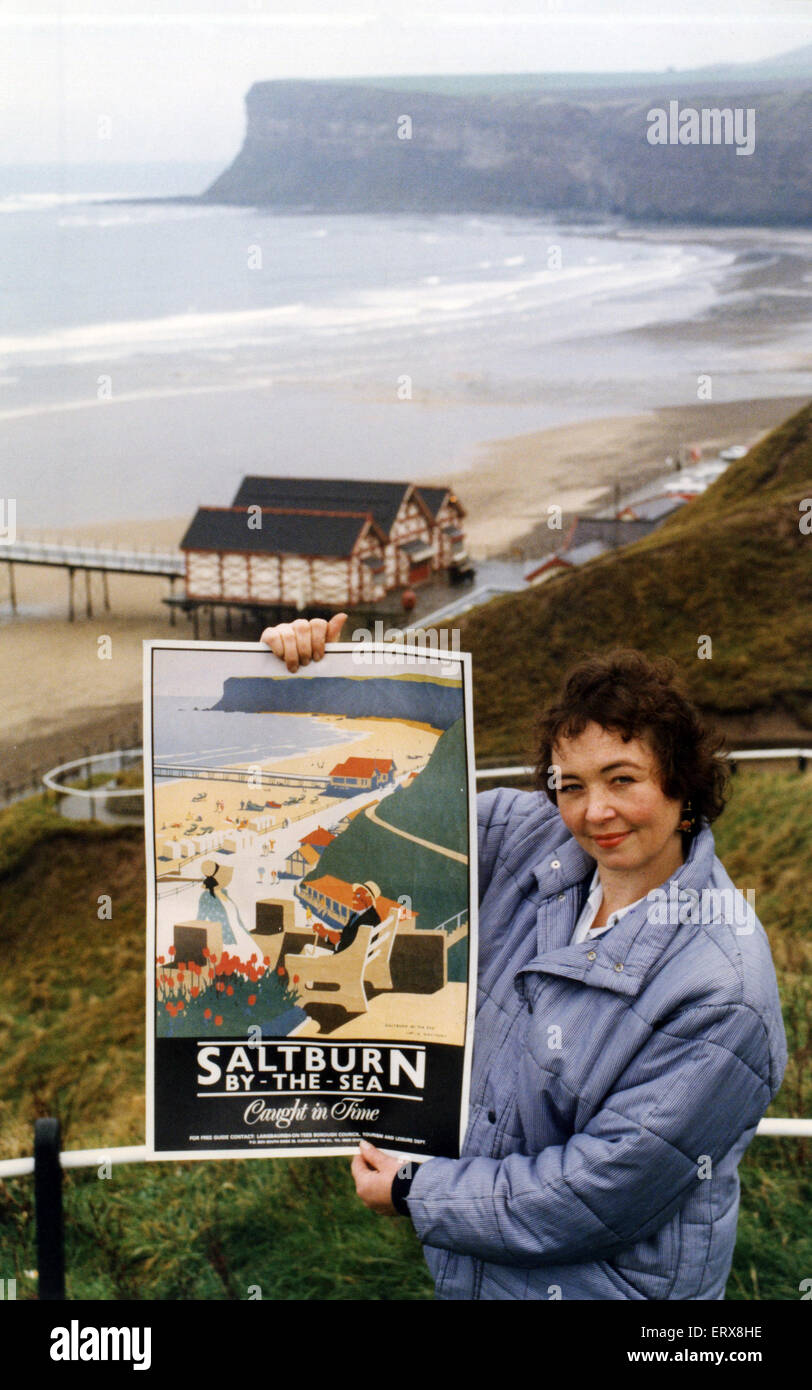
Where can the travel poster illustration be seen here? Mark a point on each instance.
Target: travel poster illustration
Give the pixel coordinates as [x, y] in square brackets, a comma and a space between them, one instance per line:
[311, 899]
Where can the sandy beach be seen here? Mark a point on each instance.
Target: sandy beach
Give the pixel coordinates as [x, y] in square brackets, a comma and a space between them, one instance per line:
[508, 491]
[60, 698]
[175, 809]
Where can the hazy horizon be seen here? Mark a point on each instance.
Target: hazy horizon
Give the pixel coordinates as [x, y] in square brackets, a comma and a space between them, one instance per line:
[122, 81]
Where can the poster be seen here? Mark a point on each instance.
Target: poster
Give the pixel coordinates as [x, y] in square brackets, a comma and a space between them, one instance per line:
[311, 948]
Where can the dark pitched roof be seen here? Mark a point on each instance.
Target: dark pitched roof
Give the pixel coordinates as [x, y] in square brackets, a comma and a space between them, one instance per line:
[435, 496]
[608, 530]
[582, 554]
[330, 494]
[282, 532]
[570, 558]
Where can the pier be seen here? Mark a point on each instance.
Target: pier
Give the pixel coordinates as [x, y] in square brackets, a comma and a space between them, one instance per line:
[89, 559]
[253, 777]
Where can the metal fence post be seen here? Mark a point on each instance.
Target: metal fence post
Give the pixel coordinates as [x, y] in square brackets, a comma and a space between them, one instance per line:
[48, 1205]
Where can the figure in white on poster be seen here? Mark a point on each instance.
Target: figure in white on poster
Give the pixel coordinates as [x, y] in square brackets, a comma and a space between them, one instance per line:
[215, 901]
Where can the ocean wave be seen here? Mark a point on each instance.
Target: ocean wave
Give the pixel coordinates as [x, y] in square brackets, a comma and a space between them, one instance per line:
[434, 303]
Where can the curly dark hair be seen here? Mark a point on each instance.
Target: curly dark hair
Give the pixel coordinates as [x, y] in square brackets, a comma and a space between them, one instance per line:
[625, 692]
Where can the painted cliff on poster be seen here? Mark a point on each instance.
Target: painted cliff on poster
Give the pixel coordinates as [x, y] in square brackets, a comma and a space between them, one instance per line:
[311, 899]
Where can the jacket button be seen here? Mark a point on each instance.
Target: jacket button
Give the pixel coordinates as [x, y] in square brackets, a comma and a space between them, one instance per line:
[591, 955]
[492, 1117]
[619, 965]
[555, 863]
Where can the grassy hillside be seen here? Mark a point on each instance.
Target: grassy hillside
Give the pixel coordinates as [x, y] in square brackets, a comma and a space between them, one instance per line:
[72, 1044]
[422, 808]
[732, 565]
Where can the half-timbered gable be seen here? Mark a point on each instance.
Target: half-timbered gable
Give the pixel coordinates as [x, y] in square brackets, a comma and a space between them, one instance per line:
[412, 544]
[447, 532]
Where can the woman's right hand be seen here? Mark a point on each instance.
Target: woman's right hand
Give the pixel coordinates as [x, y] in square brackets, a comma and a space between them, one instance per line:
[303, 640]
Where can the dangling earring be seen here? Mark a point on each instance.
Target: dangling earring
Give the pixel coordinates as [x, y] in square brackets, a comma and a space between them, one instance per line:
[688, 819]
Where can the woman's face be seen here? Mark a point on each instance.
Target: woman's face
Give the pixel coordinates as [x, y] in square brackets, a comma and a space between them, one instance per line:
[611, 799]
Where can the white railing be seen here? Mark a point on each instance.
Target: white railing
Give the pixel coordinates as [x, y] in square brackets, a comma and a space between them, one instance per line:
[94, 557]
[451, 923]
[137, 1153]
[115, 762]
[739, 755]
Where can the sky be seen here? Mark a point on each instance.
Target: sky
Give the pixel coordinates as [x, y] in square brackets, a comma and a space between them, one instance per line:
[127, 80]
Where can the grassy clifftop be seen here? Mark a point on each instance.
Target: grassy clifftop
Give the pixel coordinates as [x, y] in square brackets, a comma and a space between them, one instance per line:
[733, 566]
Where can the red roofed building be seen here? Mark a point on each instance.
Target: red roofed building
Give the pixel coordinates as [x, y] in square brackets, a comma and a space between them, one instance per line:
[330, 899]
[361, 774]
[318, 838]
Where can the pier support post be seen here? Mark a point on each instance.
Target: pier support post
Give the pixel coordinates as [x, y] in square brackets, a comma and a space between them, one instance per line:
[88, 603]
[71, 611]
[211, 620]
[105, 591]
[12, 588]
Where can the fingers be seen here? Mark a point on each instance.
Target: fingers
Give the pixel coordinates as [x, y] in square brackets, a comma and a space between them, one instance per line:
[302, 641]
[372, 1157]
[318, 636]
[292, 642]
[299, 642]
[372, 1173]
[271, 636]
[335, 625]
[359, 1170]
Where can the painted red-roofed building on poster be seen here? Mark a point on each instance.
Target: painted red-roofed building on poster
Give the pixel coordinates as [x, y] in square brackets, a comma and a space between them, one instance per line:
[361, 774]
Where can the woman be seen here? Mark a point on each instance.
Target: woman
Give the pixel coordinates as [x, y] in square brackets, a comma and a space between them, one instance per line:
[628, 1030]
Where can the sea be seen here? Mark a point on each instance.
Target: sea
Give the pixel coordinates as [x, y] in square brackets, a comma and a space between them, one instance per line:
[153, 352]
[188, 732]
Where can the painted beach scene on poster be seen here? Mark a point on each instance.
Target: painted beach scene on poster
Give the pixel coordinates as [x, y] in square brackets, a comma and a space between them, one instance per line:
[311, 899]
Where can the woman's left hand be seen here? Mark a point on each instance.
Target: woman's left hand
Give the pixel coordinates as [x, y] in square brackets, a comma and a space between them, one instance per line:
[373, 1172]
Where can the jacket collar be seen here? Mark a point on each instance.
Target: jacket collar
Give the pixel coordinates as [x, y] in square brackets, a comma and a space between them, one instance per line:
[620, 959]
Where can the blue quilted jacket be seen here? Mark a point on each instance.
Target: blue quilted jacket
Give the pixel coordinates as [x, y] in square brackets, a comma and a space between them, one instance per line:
[615, 1085]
